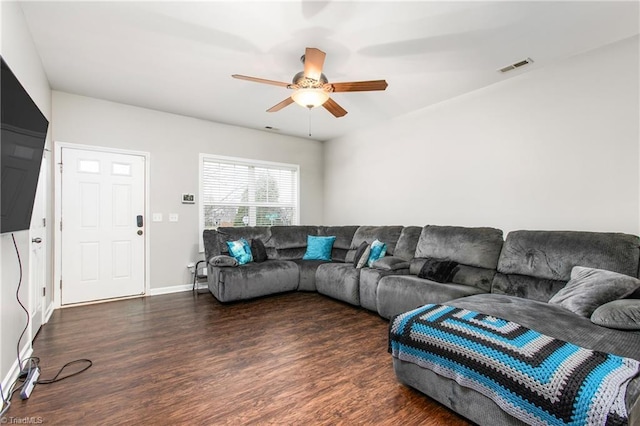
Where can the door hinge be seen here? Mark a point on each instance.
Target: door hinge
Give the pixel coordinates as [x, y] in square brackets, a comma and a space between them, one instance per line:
[44, 291]
[60, 163]
[44, 222]
[60, 283]
[61, 225]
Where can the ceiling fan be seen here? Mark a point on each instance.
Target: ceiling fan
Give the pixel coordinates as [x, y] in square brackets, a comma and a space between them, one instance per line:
[311, 87]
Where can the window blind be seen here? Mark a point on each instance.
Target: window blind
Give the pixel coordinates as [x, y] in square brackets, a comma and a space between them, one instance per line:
[238, 192]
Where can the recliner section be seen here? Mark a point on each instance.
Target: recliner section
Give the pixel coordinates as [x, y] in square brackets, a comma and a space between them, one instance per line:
[370, 277]
[342, 280]
[476, 250]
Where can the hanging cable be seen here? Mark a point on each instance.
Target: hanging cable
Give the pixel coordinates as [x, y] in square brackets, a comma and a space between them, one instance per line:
[309, 120]
[26, 326]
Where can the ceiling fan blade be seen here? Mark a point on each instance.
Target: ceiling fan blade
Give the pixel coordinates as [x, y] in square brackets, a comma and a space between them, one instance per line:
[359, 86]
[281, 105]
[260, 80]
[335, 109]
[313, 62]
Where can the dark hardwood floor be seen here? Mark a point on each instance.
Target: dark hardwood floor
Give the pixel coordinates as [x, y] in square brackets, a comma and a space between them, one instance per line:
[292, 359]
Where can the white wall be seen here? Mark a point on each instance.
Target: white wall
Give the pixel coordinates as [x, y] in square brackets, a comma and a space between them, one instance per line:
[19, 52]
[174, 143]
[553, 148]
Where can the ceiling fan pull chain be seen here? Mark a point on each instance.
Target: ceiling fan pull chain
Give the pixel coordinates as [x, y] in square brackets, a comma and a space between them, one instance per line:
[309, 122]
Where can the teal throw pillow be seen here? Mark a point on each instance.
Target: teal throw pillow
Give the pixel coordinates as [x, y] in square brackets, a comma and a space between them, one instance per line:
[378, 250]
[319, 248]
[240, 250]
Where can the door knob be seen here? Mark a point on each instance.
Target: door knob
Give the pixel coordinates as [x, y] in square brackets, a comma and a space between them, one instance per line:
[139, 231]
[37, 240]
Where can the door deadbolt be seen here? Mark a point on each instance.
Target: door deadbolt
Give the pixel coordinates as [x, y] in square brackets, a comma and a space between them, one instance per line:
[37, 240]
[139, 231]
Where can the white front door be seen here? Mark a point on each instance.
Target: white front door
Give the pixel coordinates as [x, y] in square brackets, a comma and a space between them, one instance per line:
[38, 259]
[102, 229]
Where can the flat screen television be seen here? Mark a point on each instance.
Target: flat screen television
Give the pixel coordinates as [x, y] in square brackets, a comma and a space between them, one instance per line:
[24, 130]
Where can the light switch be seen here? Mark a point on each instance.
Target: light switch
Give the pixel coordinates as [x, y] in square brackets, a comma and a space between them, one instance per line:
[173, 217]
[157, 217]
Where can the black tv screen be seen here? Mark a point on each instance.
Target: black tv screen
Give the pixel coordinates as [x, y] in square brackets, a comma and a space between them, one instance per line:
[24, 130]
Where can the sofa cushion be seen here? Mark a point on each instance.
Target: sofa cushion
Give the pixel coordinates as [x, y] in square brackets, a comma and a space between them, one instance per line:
[478, 247]
[289, 253]
[416, 264]
[402, 293]
[318, 248]
[527, 287]
[307, 270]
[390, 263]
[406, 246]
[288, 237]
[339, 281]
[253, 280]
[552, 254]
[438, 270]
[369, 280]
[344, 235]
[621, 314]
[240, 250]
[476, 277]
[590, 288]
[223, 260]
[258, 250]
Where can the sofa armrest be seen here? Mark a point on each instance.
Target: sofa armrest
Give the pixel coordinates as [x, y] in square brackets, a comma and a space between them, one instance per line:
[223, 261]
[390, 263]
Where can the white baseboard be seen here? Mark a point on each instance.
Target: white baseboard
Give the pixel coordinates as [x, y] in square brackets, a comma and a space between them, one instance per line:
[175, 289]
[48, 312]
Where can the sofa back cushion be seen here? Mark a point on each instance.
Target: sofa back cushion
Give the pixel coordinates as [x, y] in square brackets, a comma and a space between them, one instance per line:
[475, 249]
[289, 242]
[386, 234]
[344, 235]
[537, 264]
[406, 246]
[479, 247]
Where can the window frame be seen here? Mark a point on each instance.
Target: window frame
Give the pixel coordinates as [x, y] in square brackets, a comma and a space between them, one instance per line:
[243, 162]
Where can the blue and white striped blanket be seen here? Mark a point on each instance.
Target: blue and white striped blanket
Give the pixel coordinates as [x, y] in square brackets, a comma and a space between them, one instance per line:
[535, 378]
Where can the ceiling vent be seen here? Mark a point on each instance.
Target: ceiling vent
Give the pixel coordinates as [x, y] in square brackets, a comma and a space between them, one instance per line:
[515, 65]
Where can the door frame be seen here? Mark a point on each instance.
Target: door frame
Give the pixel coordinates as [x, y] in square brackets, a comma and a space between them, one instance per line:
[57, 215]
[36, 292]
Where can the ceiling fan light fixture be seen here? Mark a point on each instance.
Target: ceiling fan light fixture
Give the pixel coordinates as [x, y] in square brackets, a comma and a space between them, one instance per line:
[310, 98]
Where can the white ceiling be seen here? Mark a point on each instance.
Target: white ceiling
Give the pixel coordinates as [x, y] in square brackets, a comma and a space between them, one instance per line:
[179, 56]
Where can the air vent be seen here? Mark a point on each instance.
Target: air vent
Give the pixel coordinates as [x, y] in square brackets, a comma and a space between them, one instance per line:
[516, 65]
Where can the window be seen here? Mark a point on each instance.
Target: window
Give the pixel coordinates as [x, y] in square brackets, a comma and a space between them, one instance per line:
[239, 192]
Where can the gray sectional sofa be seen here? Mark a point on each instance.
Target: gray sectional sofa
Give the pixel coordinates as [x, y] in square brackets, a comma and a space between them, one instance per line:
[512, 278]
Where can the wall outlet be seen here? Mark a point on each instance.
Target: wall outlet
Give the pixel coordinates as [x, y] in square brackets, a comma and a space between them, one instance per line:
[173, 217]
[191, 265]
